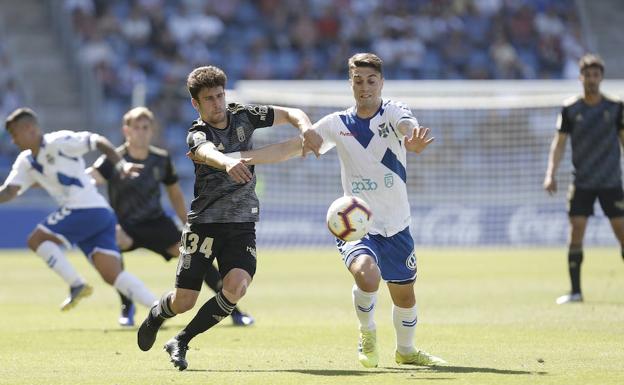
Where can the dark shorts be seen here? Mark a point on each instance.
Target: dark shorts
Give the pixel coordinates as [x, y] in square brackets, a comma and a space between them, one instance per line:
[581, 201]
[156, 235]
[233, 245]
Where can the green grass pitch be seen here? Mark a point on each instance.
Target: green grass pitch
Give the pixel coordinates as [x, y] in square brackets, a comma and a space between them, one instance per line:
[489, 312]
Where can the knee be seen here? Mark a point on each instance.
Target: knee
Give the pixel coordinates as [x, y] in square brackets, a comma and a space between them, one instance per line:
[235, 285]
[367, 279]
[182, 304]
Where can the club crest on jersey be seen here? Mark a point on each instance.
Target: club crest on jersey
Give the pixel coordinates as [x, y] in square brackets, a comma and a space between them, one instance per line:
[198, 138]
[383, 130]
[240, 132]
[388, 180]
[411, 262]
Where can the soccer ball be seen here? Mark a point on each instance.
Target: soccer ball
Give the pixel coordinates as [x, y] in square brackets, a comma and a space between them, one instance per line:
[349, 218]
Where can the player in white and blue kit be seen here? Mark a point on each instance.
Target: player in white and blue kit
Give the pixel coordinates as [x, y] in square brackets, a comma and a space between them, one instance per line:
[54, 162]
[372, 139]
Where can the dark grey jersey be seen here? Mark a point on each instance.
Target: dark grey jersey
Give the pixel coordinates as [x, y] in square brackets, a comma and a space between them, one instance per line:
[594, 133]
[136, 200]
[217, 198]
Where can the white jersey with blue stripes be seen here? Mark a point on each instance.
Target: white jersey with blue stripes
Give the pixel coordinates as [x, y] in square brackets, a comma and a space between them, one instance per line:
[60, 169]
[372, 161]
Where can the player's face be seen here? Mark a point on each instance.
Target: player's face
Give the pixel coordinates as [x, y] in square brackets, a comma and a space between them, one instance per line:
[210, 104]
[25, 134]
[139, 132]
[366, 83]
[591, 78]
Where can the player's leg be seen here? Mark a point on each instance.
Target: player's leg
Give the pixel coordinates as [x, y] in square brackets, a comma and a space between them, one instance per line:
[236, 255]
[194, 258]
[125, 242]
[359, 258]
[213, 281]
[46, 241]
[612, 203]
[581, 206]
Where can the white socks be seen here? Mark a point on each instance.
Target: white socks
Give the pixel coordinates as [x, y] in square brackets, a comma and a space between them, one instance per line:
[365, 303]
[54, 257]
[133, 288]
[405, 327]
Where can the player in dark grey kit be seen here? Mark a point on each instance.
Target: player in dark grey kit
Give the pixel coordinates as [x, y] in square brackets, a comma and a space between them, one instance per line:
[142, 219]
[221, 222]
[595, 124]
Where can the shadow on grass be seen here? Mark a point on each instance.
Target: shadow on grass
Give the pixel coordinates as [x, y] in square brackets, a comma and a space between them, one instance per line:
[384, 370]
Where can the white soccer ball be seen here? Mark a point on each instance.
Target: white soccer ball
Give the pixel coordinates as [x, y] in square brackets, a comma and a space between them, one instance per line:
[349, 218]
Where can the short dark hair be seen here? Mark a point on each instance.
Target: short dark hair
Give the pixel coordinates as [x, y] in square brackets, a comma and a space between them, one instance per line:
[205, 77]
[366, 59]
[590, 60]
[19, 114]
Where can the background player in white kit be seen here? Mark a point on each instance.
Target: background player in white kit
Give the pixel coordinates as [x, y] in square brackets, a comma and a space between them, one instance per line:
[372, 139]
[54, 161]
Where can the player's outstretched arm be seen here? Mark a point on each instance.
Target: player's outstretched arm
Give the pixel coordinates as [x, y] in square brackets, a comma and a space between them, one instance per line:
[416, 137]
[312, 141]
[274, 153]
[126, 169]
[208, 154]
[95, 174]
[557, 148]
[8, 192]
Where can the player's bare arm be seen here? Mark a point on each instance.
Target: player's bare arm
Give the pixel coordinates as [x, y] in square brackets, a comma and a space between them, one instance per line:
[416, 137]
[207, 153]
[95, 174]
[557, 148]
[8, 192]
[311, 139]
[274, 153]
[176, 197]
[126, 169]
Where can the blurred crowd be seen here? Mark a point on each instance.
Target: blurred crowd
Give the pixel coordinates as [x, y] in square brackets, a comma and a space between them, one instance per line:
[10, 99]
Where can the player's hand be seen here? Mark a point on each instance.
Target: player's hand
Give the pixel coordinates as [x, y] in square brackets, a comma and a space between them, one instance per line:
[312, 141]
[237, 170]
[550, 185]
[418, 140]
[128, 169]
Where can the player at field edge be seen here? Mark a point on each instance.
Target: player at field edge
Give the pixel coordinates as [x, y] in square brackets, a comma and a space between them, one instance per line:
[372, 140]
[137, 202]
[55, 162]
[595, 124]
[221, 221]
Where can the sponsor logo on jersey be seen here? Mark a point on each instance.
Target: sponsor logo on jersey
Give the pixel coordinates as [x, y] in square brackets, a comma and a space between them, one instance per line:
[411, 262]
[199, 137]
[363, 184]
[186, 261]
[240, 132]
[345, 133]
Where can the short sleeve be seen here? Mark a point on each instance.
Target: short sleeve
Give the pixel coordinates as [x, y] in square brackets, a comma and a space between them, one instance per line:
[259, 115]
[75, 143]
[19, 175]
[196, 138]
[171, 176]
[104, 167]
[563, 122]
[324, 128]
[399, 112]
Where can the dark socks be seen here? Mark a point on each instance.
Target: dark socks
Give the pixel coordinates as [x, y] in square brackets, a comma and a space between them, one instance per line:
[162, 311]
[210, 314]
[575, 259]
